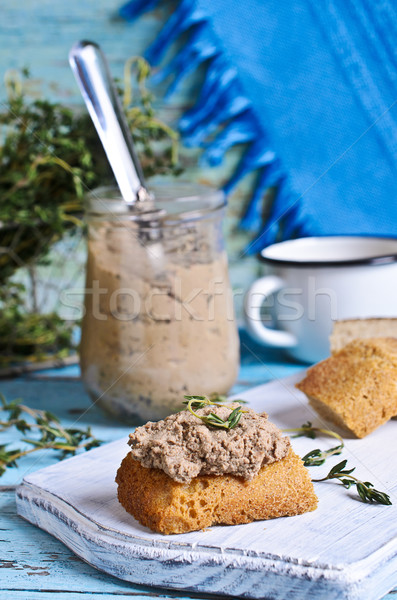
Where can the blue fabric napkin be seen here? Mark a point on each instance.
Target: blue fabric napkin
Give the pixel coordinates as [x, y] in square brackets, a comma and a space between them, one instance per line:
[311, 88]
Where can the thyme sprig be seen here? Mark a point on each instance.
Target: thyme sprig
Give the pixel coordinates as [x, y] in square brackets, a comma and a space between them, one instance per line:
[365, 489]
[212, 420]
[317, 457]
[52, 435]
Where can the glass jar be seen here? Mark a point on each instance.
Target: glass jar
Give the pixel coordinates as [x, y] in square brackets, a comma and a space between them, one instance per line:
[159, 318]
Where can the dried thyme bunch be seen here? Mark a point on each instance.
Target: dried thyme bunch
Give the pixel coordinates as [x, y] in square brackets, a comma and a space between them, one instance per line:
[51, 155]
[51, 434]
[30, 336]
[157, 143]
[46, 163]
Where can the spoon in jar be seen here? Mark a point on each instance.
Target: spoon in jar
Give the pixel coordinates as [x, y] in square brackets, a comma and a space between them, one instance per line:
[92, 73]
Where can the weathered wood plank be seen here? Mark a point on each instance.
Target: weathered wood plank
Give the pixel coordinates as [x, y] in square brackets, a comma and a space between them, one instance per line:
[58, 595]
[23, 546]
[40, 34]
[345, 549]
[136, 595]
[33, 562]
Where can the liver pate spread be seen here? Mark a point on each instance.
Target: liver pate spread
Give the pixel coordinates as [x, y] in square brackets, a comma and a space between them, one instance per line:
[154, 318]
[185, 447]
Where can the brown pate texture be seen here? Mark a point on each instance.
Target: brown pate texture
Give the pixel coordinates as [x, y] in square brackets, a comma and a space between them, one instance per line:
[184, 447]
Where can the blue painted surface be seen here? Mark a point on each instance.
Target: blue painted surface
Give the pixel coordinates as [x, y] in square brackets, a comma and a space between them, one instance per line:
[39, 33]
[34, 565]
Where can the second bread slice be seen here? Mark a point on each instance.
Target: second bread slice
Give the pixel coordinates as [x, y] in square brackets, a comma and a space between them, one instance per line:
[347, 330]
[356, 388]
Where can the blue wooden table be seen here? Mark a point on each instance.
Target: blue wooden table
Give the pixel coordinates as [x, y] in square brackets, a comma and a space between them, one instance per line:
[35, 565]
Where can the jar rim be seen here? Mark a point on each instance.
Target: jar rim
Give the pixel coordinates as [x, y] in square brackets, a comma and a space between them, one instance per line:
[176, 200]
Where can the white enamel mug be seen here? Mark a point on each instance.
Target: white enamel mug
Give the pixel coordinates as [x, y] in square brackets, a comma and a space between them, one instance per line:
[311, 282]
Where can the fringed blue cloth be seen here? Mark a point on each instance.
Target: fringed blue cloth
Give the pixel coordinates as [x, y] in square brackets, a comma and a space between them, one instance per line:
[311, 89]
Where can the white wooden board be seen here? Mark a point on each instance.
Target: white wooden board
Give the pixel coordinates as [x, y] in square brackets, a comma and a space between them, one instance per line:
[344, 549]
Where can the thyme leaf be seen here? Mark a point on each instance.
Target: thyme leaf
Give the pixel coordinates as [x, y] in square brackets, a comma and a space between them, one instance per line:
[213, 420]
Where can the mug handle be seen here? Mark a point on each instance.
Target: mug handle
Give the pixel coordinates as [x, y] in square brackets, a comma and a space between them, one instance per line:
[254, 298]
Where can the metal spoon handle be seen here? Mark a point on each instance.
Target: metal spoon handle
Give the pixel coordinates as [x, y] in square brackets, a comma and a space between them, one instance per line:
[92, 73]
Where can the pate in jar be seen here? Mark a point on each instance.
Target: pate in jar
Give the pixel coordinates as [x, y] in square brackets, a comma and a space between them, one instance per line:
[159, 319]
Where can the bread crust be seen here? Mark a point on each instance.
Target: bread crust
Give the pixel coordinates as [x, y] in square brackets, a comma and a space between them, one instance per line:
[356, 388]
[280, 489]
[346, 330]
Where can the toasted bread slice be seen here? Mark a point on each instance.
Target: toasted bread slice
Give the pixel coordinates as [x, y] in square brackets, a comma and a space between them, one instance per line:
[280, 489]
[356, 388]
[347, 330]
